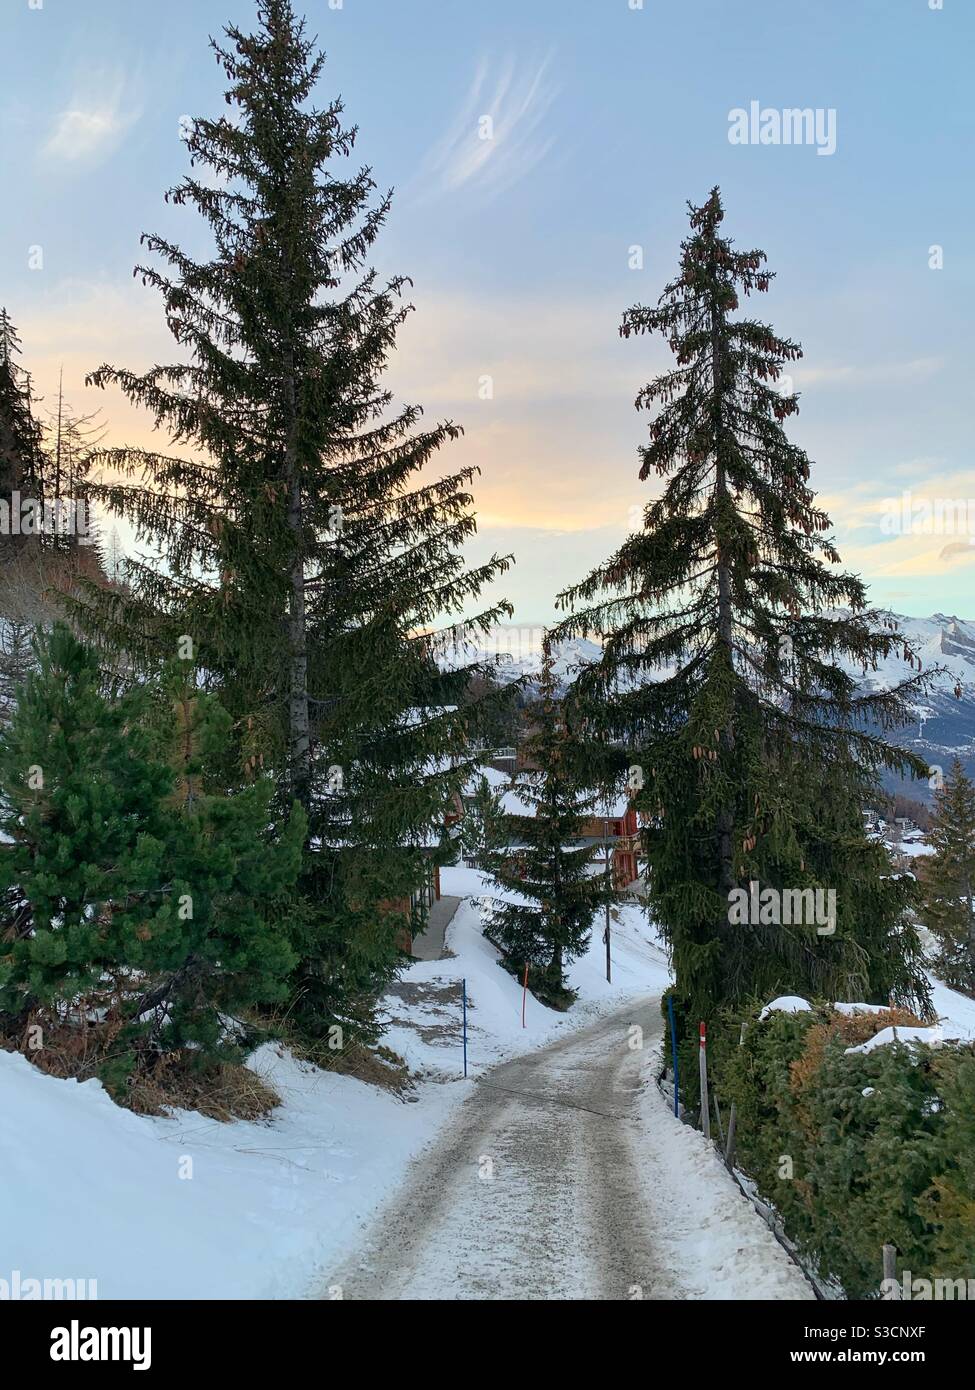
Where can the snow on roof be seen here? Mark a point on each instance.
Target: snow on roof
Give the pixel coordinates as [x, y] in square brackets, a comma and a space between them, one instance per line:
[491, 775]
[613, 808]
[513, 804]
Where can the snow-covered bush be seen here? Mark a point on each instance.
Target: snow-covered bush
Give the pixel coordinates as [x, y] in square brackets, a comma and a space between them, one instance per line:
[859, 1146]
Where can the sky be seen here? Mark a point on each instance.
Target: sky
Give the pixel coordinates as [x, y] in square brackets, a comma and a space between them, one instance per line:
[542, 154]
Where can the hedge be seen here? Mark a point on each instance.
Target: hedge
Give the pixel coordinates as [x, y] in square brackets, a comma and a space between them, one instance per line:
[858, 1149]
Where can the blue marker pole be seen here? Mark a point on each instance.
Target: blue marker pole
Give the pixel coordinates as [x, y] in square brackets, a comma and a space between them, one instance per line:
[464, 989]
[673, 1052]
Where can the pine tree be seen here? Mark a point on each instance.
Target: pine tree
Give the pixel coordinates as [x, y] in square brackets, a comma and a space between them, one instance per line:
[233, 866]
[21, 445]
[479, 832]
[85, 843]
[135, 904]
[948, 880]
[303, 555]
[724, 625]
[548, 892]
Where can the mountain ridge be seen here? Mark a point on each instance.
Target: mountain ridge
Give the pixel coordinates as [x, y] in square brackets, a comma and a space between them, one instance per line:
[945, 725]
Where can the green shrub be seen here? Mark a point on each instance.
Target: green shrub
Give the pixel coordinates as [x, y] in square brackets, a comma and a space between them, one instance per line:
[858, 1149]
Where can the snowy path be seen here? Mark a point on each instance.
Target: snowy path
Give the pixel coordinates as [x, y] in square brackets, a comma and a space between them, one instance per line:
[557, 1180]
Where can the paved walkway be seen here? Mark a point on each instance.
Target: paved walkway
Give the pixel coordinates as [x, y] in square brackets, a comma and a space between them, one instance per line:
[563, 1217]
[562, 1178]
[430, 945]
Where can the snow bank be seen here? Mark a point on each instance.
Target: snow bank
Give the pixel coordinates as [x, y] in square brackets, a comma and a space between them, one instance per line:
[955, 1011]
[719, 1247]
[186, 1207]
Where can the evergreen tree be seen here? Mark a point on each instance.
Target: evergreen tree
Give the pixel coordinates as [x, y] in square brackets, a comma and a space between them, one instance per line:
[543, 869]
[303, 555]
[878, 906]
[724, 623]
[24, 607]
[84, 852]
[479, 832]
[21, 445]
[70, 443]
[136, 903]
[233, 867]
[948, 880]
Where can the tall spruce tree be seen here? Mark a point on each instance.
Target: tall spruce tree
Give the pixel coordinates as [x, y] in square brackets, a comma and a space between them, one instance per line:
[539, 863]
[304, 555]
[948, 880]
[724, 624]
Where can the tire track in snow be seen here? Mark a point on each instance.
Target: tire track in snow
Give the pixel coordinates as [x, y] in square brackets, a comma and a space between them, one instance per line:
[556, 1183]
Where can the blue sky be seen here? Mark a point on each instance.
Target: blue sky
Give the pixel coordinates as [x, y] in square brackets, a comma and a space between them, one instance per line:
[606, 119]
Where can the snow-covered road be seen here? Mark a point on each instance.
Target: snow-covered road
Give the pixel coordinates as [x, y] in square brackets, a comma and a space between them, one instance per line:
[564, 1177]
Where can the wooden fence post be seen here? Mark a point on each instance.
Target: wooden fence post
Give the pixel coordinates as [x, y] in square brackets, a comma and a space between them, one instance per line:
[729, 1148]
[729, 1151]
[891, 1289]
[717, 1116]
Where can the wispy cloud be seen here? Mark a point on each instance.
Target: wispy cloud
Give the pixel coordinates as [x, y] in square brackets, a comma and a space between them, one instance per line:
[874, 538]
[498, 136]
[94, 121]
[918, 369]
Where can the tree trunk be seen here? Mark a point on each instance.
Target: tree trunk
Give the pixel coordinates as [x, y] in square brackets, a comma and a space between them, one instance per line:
[971, 932]
[725, 818]
[299, 737]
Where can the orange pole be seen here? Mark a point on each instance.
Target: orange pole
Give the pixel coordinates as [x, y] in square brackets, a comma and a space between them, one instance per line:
[524, 997]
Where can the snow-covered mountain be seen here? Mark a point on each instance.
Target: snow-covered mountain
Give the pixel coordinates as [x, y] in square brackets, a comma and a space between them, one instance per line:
[945, 725]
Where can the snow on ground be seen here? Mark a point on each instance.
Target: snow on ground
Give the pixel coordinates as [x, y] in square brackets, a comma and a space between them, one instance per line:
[495, 1032]
[186, 1207]
[719, 1247]
[915, 849]
[956, 1012]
